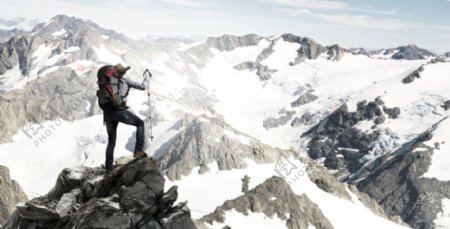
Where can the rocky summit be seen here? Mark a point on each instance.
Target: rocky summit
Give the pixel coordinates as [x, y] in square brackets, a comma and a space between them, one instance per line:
[87, 198]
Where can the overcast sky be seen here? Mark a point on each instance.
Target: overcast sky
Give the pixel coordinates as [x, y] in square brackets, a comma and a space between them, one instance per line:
[350, 23]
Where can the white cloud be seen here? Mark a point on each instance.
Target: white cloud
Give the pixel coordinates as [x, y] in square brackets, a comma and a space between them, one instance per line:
[376, 11]
[365, 22]
[189, 2]
[311, 4]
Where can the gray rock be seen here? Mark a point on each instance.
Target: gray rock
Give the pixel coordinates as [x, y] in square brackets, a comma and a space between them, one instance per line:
[265, 53]
[67, 180]
[335, 52]
[438, 59]
[398, 185]
[304, 99]
[204, 141]
[10, 194]
[274, 198]
[134, 198]
[324, 180]
[180, 219]
[335, 136]
[309, 48]
[245, 182]
[279, 121]
[359, 51]
[229, 42]
[66, 202]
[411, 77]
[31, 211]
[262, 71]
[100, 213]
[392, 112]
[411, 52]
[446, 105]
[447, 54]
[60, 95]
[306, 119]
[329, 183]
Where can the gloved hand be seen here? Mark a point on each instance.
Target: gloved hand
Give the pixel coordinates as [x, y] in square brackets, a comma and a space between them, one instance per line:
[149, 74]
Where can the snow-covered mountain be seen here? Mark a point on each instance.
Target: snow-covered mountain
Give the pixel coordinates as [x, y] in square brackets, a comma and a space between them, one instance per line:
[229, 107]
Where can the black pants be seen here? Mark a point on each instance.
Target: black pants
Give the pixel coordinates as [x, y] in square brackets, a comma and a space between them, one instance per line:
[112, 119]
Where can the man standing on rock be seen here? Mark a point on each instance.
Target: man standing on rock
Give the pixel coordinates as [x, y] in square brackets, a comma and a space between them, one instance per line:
[112, 95]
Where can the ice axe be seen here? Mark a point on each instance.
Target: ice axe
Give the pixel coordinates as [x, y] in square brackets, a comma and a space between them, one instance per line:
[149, 103]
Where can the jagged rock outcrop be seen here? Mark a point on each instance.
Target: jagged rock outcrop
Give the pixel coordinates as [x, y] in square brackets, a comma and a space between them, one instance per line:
[285, 117]
[447, 54]
[10, 194]
[446, 105]
[38, 103]
[274, 198]
[307, 119]
[310, 49]
[412, 52]
[304, 99]
[229, 42]
[359, 51]
[335, 52]
[342, 145]
[209, 140]
[18, 51]
[398, 184]
[263, 71]
[330, 184]
[415, 74]
[84, 198]
[408, 52]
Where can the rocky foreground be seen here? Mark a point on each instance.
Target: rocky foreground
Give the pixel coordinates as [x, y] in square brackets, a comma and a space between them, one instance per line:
[85, 198]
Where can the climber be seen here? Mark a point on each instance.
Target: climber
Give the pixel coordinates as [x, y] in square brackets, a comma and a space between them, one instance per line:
[112, 95]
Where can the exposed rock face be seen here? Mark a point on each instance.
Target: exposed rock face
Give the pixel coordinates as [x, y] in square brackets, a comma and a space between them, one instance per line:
[307, 119]
[262, 71]
[205, 141]
[342, 145]
[397, 184]
[304, 99]
[309, 48]
[411, 77]
[446, 105]
[335, 52]
[312, 50]
[38, 103]
[274, 198]
[10, 194]
[447, 54]
[229, 42]
[18, 51]
[392, 112]
[83, 198]
[329, 183]
[359, 51]
[285, 117]
[411, 52]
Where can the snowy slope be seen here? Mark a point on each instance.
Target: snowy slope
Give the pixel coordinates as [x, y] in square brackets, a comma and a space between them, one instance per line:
[228, 186]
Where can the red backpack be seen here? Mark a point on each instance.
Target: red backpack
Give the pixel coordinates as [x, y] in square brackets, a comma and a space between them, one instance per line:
[108, 88]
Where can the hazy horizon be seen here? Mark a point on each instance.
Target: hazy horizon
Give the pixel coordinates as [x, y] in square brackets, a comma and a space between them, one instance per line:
[349, 23]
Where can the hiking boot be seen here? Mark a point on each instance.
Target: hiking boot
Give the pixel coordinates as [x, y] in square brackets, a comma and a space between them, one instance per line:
[140, 154]
[111, 173]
